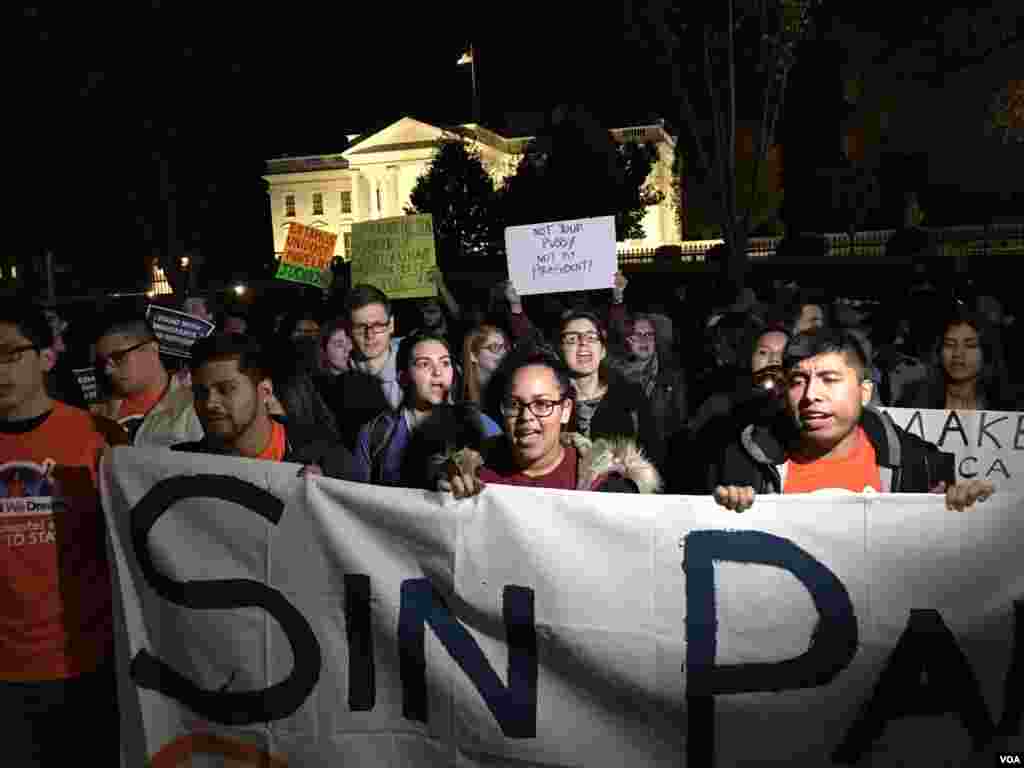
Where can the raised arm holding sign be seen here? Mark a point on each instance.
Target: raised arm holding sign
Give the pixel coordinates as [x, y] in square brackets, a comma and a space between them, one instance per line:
[576, 255]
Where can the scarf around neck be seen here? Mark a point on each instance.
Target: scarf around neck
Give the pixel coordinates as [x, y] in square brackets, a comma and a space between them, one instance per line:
[387, 376]
[641, 372]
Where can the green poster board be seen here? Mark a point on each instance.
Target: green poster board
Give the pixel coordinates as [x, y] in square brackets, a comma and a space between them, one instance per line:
[305, 275]
[395, 255]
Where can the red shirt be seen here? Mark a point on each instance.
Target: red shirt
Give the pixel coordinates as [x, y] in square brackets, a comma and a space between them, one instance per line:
[854, 472]
[563, 476]
[55, 588]
[139, 404]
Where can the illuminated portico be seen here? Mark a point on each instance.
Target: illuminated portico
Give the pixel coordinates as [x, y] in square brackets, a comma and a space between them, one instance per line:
[375, 176]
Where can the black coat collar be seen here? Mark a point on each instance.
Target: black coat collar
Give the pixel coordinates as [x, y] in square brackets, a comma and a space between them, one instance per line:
[766, 447]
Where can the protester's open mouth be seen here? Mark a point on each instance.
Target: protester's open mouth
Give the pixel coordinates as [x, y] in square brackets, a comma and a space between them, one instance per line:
[815, 419]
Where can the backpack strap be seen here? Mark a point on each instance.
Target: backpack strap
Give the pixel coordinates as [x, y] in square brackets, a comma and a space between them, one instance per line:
[382, 429]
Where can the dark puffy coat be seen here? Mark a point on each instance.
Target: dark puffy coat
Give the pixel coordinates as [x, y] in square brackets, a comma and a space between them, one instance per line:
[625, 412]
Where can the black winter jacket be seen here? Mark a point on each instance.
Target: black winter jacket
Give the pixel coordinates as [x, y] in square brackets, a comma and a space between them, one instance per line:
[908, 464]
[625, 412]
[302, 446]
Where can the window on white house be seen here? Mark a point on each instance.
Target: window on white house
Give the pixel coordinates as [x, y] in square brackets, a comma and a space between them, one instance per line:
[347, 241]
[318, 204]
[346, 202]
[289, 205]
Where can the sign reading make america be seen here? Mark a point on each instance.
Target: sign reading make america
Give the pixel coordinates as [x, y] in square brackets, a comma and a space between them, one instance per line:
[266, 619]
[987, 444]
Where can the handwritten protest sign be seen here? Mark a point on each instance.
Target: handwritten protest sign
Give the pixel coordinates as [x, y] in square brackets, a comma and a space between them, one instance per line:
[987, 444]
[177, 331]
[395, 255]
[86, 378]
[308, 253]
[576, 255]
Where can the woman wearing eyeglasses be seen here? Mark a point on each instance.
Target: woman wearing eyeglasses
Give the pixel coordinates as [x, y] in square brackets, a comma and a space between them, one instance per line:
[607, 405]
[662, 384]
[536, 449]
[483, 349]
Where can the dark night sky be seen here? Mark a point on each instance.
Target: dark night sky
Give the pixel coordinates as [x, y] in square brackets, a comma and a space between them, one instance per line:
[101, 89]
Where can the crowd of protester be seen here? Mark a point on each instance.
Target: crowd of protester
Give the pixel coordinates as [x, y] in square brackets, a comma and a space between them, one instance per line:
[599, 391]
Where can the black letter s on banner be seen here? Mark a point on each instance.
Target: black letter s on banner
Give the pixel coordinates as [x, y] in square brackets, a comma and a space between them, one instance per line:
[240, 708]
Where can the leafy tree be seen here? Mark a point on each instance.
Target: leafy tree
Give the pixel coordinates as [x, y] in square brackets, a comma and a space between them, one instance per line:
[710, 51]
[460, 194]
[575, 169]
[697, 206]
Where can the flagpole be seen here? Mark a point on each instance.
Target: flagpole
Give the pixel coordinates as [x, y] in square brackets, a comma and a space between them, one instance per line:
[469, 57]
[476, 93]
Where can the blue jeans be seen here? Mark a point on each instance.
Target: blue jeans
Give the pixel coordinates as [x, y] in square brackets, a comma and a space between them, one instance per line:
[58, 722]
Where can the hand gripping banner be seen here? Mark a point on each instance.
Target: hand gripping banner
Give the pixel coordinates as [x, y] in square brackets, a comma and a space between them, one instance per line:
[271, 620]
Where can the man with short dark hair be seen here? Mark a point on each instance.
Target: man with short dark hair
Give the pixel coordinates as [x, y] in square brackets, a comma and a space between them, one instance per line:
[533, 451]
[57, 684]
[232, 389]
[373, 329]
[832, 439]
[154, 407]
[371, 384]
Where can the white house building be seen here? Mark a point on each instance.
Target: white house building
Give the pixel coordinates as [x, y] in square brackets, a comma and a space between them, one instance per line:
[375, 176]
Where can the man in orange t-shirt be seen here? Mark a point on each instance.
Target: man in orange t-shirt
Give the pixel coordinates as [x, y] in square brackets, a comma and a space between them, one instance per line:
[232, 388]
[57, 683]
[834, 440]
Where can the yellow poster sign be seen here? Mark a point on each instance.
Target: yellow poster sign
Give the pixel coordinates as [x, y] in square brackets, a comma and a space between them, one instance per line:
[395, 255]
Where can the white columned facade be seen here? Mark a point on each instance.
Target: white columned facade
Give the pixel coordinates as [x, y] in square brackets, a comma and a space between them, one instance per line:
[385, 166]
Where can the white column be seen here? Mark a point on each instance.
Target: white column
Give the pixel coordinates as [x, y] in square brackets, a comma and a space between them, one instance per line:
[357, 207]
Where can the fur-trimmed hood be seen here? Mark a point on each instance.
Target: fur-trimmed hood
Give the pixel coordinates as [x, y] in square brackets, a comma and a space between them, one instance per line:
[601, 458]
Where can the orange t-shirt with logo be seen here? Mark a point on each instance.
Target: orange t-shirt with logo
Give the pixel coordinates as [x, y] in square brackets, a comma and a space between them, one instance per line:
[854, 472]
[55, 587]
[276, 445]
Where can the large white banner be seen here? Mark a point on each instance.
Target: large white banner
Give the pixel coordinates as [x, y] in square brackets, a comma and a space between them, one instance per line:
[987, 444]
[313, 622]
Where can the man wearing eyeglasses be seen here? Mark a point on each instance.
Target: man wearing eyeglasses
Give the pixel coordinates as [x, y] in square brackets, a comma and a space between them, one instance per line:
[57, 684]
[371, 384]
[154, 407]
[533, 451]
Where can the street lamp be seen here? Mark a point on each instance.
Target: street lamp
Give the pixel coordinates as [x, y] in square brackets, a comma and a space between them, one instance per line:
[239, 289]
